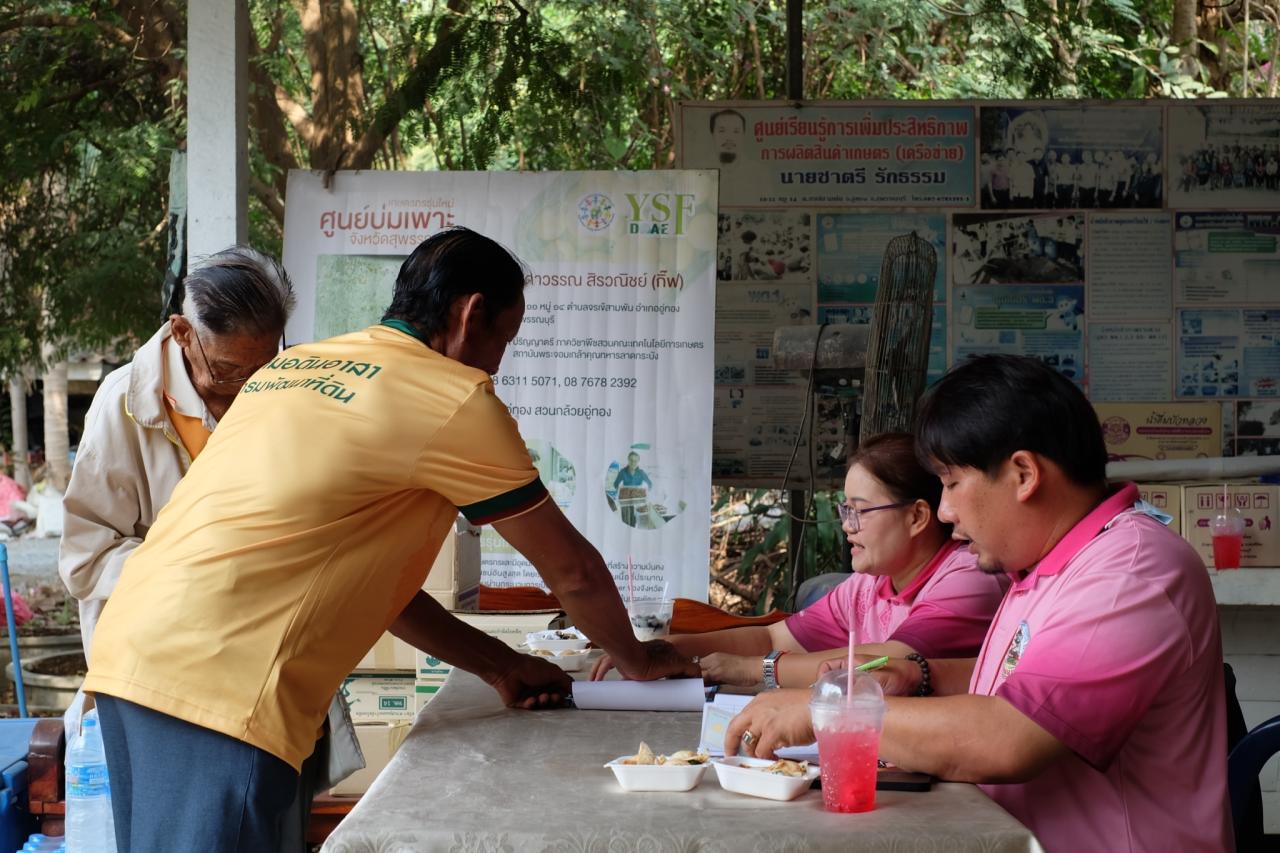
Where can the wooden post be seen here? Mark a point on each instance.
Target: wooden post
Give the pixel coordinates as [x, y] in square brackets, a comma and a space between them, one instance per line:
[795, 50]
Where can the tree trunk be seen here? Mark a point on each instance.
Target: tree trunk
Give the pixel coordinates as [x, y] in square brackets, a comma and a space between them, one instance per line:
[57, 442]
[18, 412]
[331, 35]
[1184, 22]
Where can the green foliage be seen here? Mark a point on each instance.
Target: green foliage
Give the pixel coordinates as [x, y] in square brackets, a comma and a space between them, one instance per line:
[85, 135]
[575, 84]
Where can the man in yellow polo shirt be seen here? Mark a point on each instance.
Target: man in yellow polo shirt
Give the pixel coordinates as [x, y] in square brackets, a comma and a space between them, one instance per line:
[304, 530]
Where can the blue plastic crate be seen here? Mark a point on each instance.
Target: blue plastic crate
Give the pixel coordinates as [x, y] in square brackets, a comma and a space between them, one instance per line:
[15, 822]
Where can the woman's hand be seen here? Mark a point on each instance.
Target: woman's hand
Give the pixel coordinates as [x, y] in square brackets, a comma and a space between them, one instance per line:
[773, 720]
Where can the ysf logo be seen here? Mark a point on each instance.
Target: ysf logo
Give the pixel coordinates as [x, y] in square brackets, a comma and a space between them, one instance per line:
[659, 214]
[595, 211]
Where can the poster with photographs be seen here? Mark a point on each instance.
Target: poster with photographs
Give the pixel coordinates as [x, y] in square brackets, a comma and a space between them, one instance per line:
[1224, 156]
[1046, 322]
[1228, 353]
[1227, 258]
[1258, 428]
[761, 436]
[758, 245]
[1071, 157]
[1037, 248]
[852, 246]
[851, 252]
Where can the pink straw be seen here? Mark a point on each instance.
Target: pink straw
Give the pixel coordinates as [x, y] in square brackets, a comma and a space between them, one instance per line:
[631, 587]
[848, 693]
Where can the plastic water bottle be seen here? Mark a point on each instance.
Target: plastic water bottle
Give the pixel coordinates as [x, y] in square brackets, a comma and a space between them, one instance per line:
[90, 828]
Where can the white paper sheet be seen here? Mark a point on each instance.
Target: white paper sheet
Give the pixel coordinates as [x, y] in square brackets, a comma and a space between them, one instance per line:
[715, 719]
[676, 694]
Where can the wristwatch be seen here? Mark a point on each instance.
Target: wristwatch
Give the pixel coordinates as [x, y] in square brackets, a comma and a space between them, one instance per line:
[770, 664]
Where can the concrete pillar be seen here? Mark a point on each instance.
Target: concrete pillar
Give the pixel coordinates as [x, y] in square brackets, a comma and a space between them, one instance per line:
[217, 141]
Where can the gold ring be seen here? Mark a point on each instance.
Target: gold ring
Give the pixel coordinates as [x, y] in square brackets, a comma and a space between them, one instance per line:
[748, 738]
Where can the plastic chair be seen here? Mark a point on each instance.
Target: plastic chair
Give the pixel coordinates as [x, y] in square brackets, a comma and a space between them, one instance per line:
[813, 589]
[1244, 764]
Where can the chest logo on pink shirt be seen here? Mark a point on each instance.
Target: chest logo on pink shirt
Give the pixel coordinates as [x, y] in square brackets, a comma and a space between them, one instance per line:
[1018, 645]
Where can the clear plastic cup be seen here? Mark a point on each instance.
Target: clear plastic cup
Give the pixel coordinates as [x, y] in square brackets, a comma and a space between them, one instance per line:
[1227, 529]
[848, 720]
[650, 618]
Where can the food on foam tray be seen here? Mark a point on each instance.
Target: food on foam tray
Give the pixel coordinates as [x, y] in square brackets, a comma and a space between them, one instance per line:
[785, 767]
[683, 758]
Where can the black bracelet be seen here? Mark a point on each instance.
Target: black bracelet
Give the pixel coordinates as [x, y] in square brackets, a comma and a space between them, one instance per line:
[925, 688]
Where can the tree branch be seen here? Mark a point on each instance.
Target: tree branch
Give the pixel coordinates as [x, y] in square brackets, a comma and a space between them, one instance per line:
[270, 122]
[267, 194]
[417, 86]
[59, 22]
[295, 114]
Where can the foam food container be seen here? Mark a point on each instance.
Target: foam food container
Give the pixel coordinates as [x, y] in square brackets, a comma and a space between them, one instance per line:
[736, 774]
[656, 777]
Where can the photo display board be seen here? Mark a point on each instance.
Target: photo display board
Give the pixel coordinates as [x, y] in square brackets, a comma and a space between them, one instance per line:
[1132, 245]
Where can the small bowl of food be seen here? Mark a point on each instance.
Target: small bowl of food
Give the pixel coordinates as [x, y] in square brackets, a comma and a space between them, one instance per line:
[760, 777]
[647, 771]
[557, 640]
[570, 660]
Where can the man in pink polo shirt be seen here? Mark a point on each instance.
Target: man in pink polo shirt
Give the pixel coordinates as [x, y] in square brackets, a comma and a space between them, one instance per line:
[1095, 712]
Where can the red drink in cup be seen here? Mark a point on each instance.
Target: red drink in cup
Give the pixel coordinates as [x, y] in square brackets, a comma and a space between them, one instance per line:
[848, 730]
[1228, 539]
[848, 762]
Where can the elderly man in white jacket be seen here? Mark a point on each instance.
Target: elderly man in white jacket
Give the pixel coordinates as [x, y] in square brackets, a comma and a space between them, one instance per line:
[152, 417]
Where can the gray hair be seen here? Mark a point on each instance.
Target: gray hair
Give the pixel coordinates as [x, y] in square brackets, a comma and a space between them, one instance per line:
[238, 291]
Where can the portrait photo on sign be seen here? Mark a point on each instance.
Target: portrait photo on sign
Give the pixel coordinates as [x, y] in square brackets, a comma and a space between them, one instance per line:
[1035, 249]
[1096, 156]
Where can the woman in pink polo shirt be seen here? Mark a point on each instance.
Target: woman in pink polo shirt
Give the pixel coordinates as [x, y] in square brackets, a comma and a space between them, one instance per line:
[912, 590]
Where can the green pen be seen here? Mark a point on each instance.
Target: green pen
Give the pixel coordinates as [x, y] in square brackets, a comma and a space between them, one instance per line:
[872, 664]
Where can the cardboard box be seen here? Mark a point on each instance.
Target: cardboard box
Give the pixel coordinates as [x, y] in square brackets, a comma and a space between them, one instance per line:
[431, 669]
[1166, 497]
[511, 626]
[1257, 502]
[424, 692]
[456, 569]
[389, 654]
[378, 741]
[454, 581]
[380, 696]
[1160, 430]
[459, 599]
